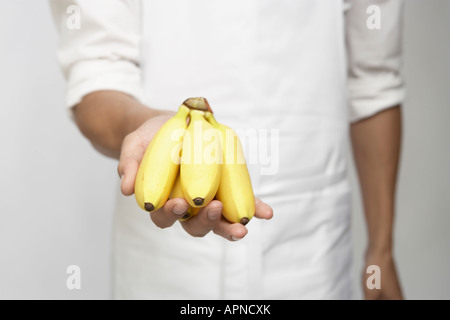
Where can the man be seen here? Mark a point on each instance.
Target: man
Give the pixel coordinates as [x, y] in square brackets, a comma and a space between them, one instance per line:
[291, 66]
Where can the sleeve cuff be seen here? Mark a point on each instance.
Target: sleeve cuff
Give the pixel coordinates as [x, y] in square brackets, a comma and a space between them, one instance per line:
[87, 76]
[374, 95]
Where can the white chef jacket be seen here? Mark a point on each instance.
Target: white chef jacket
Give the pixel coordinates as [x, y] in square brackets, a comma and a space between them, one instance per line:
[294, 72]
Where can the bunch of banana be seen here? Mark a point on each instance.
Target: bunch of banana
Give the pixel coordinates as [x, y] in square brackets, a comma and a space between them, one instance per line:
[199, 161]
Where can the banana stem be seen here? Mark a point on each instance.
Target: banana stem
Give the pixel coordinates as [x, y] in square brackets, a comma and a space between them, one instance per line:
[198, 103]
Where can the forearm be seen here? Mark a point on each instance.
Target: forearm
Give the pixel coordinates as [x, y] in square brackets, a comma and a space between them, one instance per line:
[106, 117]
[376, 149]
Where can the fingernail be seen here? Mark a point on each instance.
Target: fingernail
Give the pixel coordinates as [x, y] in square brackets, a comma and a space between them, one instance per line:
[235, 238]
[179, 209]
[214, 213]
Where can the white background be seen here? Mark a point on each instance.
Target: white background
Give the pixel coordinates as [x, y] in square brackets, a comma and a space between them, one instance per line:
[57, 193]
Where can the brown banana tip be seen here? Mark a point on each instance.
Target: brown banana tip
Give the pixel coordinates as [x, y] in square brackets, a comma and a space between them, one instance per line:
[186, 216]
[244, 221]
[149, 207]
[198, 103]
[198, 201]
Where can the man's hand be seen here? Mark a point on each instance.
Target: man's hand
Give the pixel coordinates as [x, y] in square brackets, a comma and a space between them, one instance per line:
[390, 284]
[208, 219]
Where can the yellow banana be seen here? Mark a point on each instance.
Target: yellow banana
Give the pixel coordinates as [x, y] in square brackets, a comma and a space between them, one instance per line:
[200, 161]
[160, 164]
[178, 193]
[235, 189]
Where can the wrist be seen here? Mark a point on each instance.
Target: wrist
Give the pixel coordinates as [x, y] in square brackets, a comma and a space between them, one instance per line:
[380, 237]
[137, 114]
[134, 116]
[380, 224]
[378, 250]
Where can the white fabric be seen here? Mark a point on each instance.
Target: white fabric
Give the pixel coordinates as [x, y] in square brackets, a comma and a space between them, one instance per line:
[262, 65]
[103, 54]
[374, 58]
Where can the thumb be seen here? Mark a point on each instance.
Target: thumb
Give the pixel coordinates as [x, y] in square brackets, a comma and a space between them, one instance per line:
[131, 155]
[127, 171]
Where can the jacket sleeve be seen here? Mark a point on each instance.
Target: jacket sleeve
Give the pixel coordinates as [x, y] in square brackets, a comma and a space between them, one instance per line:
[98, 46]
[374, 56]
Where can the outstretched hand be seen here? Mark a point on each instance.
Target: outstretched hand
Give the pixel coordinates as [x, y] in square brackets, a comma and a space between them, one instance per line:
[209, 218]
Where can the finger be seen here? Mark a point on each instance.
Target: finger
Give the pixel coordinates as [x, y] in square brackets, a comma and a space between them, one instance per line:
[131, 154]
[129, 169]
[230, 231]
[263, 210]
[172, 210]
[205, 220]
